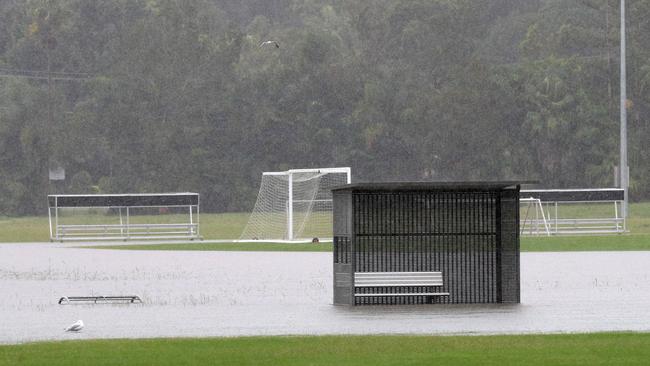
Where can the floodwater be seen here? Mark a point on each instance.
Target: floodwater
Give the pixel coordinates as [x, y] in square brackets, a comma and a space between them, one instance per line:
[271, 293]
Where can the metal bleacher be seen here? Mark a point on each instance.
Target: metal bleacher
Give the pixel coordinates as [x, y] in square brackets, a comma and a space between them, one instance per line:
[123, 216]
[572, 211]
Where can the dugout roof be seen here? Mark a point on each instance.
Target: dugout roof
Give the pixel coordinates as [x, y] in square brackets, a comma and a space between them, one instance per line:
[417, 186]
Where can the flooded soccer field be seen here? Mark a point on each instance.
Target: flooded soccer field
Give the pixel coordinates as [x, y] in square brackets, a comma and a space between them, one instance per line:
[271, 293]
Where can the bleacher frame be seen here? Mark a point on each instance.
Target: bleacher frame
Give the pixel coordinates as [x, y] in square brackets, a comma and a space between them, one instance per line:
[124, 204]
[552, 200]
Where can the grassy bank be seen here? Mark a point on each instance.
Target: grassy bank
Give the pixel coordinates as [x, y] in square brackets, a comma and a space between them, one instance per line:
[537, 244]
[23, 229]
[36, 229]
[231, 247]
[229, 225]
[586, 243]
[569, 349]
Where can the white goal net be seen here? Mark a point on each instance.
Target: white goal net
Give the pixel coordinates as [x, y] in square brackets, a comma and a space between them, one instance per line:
[295, 205]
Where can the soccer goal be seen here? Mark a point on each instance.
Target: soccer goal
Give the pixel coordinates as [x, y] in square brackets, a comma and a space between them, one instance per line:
[295, 205]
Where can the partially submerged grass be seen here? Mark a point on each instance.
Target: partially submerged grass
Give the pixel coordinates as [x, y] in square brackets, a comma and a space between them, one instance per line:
[24, 229]
[240, 247]
[531, 350]
[528, 244]
[36, 229]
[615, 242]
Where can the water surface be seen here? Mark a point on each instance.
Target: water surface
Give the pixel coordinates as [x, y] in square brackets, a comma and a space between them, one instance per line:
[270, 293]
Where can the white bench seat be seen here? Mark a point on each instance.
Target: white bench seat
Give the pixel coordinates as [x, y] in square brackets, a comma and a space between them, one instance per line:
[398, 279]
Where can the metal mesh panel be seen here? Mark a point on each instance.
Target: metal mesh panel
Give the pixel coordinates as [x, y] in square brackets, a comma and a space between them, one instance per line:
[451, 232]
[343, 273]
[397, 300]
[342, 249]
[510, 289]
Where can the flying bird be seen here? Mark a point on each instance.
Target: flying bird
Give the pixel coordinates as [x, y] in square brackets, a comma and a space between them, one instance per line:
[269, 43]
[77, 326]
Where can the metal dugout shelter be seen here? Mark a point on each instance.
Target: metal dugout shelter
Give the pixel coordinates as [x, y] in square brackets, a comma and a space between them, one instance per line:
[119, 212]
[465, 232]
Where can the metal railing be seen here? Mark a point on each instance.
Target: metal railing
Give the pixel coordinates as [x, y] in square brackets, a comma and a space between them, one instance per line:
[582, 219]
[126, 231]
[111, 216]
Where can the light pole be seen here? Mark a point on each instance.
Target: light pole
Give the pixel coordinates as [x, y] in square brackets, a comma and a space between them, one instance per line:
[624, 169]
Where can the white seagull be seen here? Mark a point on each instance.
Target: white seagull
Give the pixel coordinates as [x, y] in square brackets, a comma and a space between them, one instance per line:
[269, 43]
[79, 325]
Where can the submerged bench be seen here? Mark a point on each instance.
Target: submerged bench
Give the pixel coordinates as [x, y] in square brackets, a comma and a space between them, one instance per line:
[384, 280]
[102, 299]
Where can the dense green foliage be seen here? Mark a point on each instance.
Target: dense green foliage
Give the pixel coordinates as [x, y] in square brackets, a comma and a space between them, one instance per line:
[177, 95]
[552, 349]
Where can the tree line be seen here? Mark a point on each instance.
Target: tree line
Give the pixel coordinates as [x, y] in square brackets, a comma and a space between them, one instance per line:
[178, 95]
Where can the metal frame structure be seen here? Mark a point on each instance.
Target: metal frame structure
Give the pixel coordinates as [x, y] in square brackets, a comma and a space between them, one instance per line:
[466, 231]
[290, 202]
[124, 204]
[128, 299]
[534, 226]
[624, 169]
[550, 201]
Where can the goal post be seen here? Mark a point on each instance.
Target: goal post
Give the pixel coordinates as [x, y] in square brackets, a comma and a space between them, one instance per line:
[295, 205]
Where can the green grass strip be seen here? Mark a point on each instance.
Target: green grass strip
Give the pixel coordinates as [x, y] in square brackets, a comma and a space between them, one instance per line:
[625, 242]
[530, 350]
[622, 242]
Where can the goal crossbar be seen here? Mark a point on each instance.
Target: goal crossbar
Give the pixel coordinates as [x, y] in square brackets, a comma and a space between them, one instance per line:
[322, 171]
